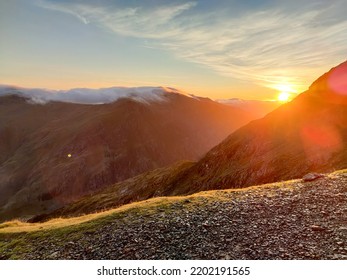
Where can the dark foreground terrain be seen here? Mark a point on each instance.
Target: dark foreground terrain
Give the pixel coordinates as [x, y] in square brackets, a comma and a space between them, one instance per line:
[287, 220]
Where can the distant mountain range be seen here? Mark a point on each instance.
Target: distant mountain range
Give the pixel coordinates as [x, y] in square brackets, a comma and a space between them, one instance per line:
[53, 149]
[309, 134]
[258, 107]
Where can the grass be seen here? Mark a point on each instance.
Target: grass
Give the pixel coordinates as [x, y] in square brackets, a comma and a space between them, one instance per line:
[18, 226]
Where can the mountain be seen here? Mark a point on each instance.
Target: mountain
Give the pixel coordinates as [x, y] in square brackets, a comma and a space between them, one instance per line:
[309, 134]
[92, 96]
[53, 150]
[258, 107]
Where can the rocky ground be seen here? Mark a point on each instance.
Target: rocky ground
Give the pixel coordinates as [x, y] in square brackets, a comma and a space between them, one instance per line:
[302, 219]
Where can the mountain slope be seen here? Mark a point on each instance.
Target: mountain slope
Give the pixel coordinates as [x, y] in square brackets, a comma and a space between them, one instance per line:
[308, 134]
[52, 153]
[287, 220]
[154, 183]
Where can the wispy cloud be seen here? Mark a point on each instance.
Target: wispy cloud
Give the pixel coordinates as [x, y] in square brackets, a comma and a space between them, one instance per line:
[267, 46]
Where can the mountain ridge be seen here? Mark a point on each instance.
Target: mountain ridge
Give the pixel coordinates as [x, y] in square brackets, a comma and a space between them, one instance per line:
[92, 96]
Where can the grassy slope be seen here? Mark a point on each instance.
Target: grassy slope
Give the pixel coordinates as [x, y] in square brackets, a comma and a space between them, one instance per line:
[144, 186]
[17, 239]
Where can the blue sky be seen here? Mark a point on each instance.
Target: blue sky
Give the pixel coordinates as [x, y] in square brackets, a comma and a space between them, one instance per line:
[247, 49]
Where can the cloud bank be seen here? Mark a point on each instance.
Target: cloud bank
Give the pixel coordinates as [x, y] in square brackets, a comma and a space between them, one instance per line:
[287, 42]
[92, 96]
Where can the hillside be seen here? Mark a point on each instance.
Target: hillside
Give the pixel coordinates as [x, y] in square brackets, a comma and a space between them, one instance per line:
[154, 183]
[308, 134]
[53, 152]
[288, 220]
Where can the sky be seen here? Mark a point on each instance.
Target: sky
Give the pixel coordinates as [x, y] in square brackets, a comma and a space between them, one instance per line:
[248, 49]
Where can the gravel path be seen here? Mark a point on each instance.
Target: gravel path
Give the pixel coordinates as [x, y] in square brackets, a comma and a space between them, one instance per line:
[295, 220]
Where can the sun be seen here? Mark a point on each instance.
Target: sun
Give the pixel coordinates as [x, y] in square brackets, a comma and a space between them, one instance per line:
[286, 91]
[283, 96]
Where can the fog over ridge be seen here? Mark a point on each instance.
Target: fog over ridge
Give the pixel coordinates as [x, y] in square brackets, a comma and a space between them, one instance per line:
[92, 96]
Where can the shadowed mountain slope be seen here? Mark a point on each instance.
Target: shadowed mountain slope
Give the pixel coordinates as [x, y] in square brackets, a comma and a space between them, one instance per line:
[52, 153]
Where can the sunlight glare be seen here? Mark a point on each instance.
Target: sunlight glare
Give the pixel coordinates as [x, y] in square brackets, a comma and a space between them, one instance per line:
[285, 88]
[283, 96]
